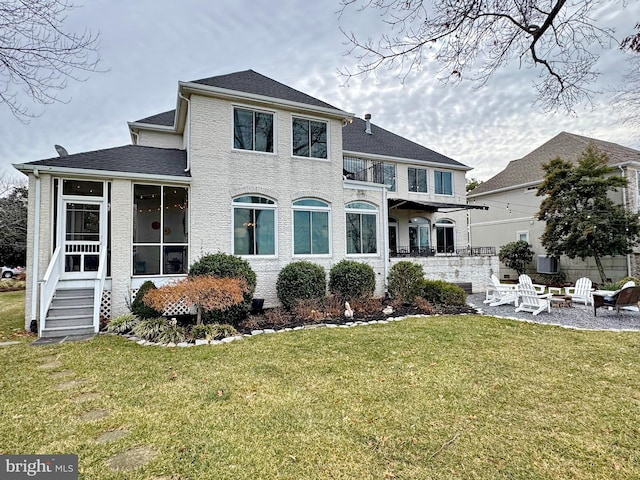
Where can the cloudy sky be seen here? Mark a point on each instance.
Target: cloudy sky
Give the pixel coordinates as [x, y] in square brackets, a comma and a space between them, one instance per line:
[147, 46]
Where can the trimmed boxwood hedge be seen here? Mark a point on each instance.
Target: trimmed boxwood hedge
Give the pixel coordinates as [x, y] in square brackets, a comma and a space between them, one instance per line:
[301, 280]
[350, 280]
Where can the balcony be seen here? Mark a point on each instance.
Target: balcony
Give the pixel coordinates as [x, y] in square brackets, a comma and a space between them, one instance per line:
[405, 251]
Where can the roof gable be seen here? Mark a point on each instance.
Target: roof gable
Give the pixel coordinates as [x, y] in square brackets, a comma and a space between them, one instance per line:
[255, 83]
[568, 146]
[385, 143]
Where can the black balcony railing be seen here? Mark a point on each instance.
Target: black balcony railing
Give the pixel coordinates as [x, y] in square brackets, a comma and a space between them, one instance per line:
[404, 251]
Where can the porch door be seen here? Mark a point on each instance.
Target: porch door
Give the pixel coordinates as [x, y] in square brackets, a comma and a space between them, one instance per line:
[81, 237]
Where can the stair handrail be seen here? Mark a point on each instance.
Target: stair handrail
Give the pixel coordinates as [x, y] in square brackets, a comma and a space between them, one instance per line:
[48, 285]
[98, 287]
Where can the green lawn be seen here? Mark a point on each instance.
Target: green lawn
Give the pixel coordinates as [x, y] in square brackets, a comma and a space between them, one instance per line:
[438, 398]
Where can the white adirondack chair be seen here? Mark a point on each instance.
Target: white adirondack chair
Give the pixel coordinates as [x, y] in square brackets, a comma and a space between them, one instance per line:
[531, 301]
[525, 279]
[581, 292]
[500, 293]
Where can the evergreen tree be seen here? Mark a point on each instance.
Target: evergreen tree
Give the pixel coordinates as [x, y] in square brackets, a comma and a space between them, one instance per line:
[13, 227]
[581, 218]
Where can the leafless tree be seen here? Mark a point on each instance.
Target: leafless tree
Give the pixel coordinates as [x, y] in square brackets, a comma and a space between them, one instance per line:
[626, 97]
[471, 39]
[38, 56]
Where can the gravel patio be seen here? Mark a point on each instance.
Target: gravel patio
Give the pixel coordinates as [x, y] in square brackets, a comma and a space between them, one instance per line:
[578, 316]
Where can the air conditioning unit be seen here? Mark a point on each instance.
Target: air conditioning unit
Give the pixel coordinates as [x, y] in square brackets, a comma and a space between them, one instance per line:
[548, 264]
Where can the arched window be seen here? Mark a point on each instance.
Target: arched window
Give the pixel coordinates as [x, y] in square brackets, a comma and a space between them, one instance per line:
[362, 232]
[445, 237]
[311, 232]
[419, 234]
[254, 225]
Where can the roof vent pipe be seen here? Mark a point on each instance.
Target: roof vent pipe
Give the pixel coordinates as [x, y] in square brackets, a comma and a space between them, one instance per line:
[367, 119]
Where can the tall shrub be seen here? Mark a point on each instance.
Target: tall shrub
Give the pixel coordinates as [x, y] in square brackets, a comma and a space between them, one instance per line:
[516, 255]
[350, 280]
[301, 280]
[405, 281]
[224, 265]
[141, 309]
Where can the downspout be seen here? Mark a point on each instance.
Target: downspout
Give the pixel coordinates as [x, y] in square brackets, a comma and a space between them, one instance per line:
[385, 232]
[624, 204]
[188, 129]
[35, 256]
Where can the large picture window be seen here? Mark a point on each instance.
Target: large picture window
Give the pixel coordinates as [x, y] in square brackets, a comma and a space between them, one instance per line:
[254, 226]
[443, 183]
[309, 138]
[362, 220]
[252, 130]
[310, 227]
[160, 230]
[417, 180]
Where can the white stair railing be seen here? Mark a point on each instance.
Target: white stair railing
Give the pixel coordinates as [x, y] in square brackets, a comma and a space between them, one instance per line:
[98, 288]
[48, 286]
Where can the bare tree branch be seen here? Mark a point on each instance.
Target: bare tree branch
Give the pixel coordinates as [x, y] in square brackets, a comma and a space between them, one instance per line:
[471, 39]
[37, 56]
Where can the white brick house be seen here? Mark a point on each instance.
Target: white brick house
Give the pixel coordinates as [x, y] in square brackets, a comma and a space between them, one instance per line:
[244, 165]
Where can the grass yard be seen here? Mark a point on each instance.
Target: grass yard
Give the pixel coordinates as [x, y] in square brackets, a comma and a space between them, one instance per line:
[447, 397]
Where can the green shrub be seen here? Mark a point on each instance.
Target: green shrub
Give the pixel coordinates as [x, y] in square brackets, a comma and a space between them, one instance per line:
[122, 324]
[213, 331]
[141, 309]
[349, 280]
[150, 328]
[173, 333]
[224, 265]
[405, 281]
[516, 255]
[440, 292]
[301, 281]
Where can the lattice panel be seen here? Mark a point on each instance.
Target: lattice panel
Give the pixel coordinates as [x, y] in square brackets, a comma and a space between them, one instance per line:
[176, 309]
[105, 305]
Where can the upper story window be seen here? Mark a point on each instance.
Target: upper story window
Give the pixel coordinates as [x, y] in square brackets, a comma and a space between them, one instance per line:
[385, 174]
[443, 183]
[362, 220]
[309, 138]
[160, 230]
[310, 227]
[252, 130]
[417, 179]
[254, 225]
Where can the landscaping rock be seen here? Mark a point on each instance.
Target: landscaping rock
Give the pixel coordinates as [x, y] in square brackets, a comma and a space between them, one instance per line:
[112, 436]
[94, 415]
[69, 385]
[132, 459]
[201, 341]
[257, 332]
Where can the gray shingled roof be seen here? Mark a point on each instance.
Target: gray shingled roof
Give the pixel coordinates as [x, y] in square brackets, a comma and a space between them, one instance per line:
[383, 142]
[164, 119]
[247, 81]
[128, 159]
[568, 146]
[257, 84]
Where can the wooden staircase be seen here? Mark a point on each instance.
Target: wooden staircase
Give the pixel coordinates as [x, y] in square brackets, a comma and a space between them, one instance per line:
[70, 313]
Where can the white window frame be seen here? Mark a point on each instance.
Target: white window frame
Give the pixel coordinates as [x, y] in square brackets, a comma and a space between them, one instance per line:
[308, 208]
[312, 119]
[435, 172]
[162, 244]
[363, 211]
[426, 177]
[261, 206]
[521, 233]
[259, 110]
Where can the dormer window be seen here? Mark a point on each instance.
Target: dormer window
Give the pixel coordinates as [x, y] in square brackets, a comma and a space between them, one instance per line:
[309, 138]
[252, 130]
